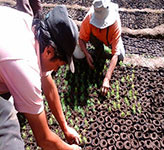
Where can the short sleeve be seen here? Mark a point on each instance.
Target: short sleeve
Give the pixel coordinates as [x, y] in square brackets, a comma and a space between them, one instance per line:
[24, 83]
[85, 29]
[117, 44]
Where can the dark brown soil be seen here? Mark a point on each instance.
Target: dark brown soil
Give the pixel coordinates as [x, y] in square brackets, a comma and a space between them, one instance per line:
[132, 115]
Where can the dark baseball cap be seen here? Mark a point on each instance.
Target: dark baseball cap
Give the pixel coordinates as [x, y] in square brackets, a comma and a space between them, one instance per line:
[63, 31]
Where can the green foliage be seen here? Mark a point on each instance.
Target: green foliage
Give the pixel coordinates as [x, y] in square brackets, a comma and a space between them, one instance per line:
[109, 108]
[113, 86]
[117, 95]
[84, 139]
[119, 106]
[81, 111]
[112, 92]
[121, 64]
[123, 114]
[122, 79]
[126, 101]
[68, 114]
[114, 105]
[107, 49]
[108, 94]
[76, 128]
[24, 135]
[86, 123]
[90, 103]
[71, 122]
[28, 148]
[130, 94]
[128, 113]
[30, 132]
[134, 108]
[50, 121]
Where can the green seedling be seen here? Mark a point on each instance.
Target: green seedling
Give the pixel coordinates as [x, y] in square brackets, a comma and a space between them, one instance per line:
[133, 76]
[28, 148]
[114, 105]
[109, 108]
[108, 94]
[76, 90]
[119, 106]
[69, 99]
[130, 93]
[135, 92]
[128, 78]
[113, 86]
[62, 95]
[139, 109]
[135, 97]
[91, 120]
[30, 139]
[122, 79]
[76, 108]
[24, 127]
[30, 132]
[89, 103]
[134, 108]
[50, 121]
[80, 139]
[122, 114]
[68, 114]
[83, 113]
[105, 105]
[107, 49]
[63, 107]
[76, 128]
[57, 131]
[112, 92]
[121, 64]
[82, 89]
[117, 95]
[128, 113]
[126, 101]
[58, 82]
[105, 68]
[64, 88]
[24, 135]
[99, 102]
[86, 123]
[71, 122]
[132, 86]
[82, 97]
[84, 139]
[93, 109]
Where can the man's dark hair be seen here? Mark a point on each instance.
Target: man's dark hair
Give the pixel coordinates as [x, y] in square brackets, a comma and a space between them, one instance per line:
[44, 38]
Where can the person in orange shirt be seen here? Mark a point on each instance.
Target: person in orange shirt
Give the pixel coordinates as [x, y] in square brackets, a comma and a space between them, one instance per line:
[102, 26]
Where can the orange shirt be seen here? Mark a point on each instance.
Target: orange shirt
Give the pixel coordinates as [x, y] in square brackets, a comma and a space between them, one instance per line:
[114, 34]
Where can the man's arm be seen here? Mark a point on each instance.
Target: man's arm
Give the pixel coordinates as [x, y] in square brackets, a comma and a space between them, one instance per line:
[105, 86]
[82, 45]
[51, 93]
[45, 138]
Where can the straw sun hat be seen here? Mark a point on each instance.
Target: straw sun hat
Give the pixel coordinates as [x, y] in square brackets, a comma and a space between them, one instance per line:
[104, 13]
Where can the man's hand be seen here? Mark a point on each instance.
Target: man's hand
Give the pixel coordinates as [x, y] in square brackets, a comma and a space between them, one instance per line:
[72, 136]
[105, 86]
[90, 61]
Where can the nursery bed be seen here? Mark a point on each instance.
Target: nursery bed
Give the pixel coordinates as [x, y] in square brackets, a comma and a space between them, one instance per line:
[131, 116]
